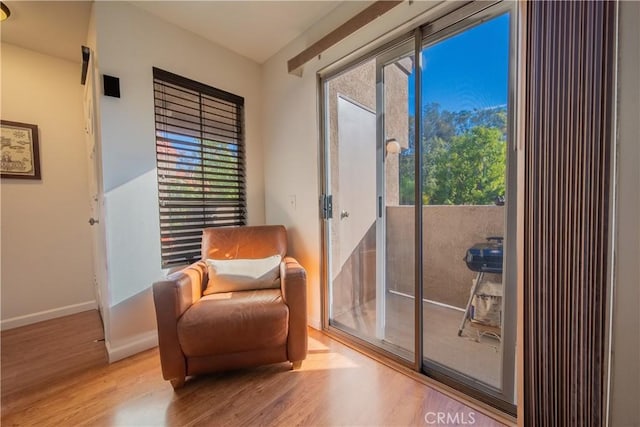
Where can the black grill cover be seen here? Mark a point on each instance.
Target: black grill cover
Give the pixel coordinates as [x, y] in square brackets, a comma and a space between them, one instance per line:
[486, 257]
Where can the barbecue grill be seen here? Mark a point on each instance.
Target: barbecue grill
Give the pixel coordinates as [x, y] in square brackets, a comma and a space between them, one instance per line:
[486, 257]
[482, 258]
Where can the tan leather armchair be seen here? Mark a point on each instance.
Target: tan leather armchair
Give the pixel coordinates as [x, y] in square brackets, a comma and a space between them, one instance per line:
[222, 331]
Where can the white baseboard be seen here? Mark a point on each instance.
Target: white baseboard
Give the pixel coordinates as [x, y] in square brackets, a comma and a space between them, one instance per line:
[131, 346]
[29, 319]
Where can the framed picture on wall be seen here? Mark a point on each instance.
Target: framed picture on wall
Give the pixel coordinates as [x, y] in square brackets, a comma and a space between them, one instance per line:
[20, 155]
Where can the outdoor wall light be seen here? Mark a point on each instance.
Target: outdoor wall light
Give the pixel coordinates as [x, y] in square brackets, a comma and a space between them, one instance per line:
[393, 146]
[4, 11]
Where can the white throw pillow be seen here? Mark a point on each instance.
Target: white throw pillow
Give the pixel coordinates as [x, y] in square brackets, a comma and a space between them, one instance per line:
[243, 274]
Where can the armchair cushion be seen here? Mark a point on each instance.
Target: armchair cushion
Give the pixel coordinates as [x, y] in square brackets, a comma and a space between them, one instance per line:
[243, 274]
[234, 322]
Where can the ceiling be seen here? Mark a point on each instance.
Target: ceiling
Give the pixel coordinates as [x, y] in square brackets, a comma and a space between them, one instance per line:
[57, 28]
[254, 29]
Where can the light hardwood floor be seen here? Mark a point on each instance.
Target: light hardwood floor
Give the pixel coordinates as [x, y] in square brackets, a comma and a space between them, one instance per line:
[54, 376]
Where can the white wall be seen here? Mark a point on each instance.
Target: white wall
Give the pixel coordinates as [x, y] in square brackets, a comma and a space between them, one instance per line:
[625, 410]
[129, 43]
[47, 269]
[291, 133]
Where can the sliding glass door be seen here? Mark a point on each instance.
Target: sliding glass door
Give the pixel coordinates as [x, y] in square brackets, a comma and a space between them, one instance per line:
[419, 179]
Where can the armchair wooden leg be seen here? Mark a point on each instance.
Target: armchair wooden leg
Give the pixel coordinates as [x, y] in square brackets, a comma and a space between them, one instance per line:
[296, 365]
[177, 383]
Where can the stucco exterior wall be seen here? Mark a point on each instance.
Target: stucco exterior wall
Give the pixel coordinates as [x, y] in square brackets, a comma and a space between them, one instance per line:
[448, 232]
[396, 110]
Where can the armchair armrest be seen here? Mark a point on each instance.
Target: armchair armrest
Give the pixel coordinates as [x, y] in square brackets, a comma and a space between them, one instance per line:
[294, 292]
[172, 297]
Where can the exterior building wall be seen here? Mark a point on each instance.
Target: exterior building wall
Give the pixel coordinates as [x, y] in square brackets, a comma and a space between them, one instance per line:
[447, 234]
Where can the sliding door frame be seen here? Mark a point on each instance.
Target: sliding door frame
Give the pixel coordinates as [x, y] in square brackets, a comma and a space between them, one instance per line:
[458, 20]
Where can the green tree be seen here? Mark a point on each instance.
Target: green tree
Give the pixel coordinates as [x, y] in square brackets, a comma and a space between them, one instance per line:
[445, 162]
[469, 170]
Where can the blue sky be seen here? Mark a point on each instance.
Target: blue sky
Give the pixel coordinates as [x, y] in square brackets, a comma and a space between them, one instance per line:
[469, 70]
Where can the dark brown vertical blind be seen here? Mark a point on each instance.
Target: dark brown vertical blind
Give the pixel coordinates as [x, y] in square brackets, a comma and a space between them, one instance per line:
[568, 145]
[200, 159]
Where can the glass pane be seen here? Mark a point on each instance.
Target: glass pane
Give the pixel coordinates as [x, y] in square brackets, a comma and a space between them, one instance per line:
[464, 101]
[371, 266]
[351, 129]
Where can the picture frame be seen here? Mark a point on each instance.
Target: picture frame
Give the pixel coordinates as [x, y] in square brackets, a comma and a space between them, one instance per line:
[20, 150]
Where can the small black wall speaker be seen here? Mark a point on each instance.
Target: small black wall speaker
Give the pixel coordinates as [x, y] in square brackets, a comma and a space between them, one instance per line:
[111, 86]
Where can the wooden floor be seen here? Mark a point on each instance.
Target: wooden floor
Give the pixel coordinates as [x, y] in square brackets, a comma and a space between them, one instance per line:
[52, 376]
[37, 355]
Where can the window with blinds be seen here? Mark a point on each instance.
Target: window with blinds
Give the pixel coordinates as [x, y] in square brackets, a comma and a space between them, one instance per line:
[200, 159]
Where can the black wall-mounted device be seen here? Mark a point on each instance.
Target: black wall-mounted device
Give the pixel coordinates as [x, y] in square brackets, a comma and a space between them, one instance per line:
[111, 86]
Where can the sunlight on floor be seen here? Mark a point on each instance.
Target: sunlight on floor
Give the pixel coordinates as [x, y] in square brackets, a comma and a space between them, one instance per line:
[317, 358]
